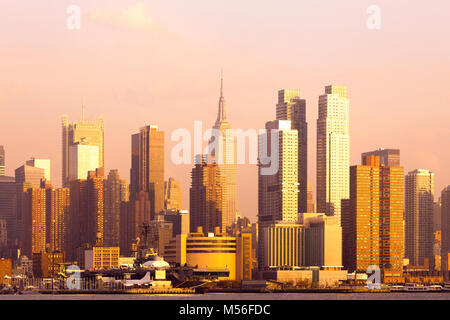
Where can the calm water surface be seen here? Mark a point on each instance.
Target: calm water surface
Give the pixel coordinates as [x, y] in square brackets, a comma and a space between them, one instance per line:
[243, 296]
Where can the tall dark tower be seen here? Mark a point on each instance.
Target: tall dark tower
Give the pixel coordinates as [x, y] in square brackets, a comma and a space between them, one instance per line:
[147, 166]
[2, 161]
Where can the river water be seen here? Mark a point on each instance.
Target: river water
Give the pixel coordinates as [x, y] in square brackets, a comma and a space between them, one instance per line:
[242, 296]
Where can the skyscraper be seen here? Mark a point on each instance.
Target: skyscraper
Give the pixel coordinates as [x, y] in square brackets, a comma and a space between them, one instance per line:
[392, 228]
[8, 206]
[115, 192]
[172, 195]
[206, 197]
[84, 132]
[277, 191]
[291, 107]
[372, 219]
[445, 216]
[388, 157]
[333, 150]
[86, 212]
[225, 158]
[27, 177]
[30, 175]
[419, 209]
[33, 220]
[82, 159]
[134, 217]
[43, 164]
[147, 166]
[392, 217]
[2, 161]
[57, 214]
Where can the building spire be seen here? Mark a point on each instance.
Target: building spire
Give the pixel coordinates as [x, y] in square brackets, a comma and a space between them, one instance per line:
[221, 83]
[221, 116]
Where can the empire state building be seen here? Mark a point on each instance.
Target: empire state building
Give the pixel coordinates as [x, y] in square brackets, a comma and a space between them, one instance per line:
[226, 160]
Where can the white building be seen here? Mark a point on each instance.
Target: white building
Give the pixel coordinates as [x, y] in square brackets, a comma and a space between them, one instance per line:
[333, 150]
[225, 156]
[82, 158]
[277, 179]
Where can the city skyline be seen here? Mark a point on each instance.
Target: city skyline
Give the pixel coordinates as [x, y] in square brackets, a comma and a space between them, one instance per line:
[269, 150]
[379, 74]
[168, 175]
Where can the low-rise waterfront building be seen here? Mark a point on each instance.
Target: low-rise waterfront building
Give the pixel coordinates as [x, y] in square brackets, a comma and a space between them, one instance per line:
[46, 264]
[305, 276]
[5, 269]
[101, 257]
[212, 251]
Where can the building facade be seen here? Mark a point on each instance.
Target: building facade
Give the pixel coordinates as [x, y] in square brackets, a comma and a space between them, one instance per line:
[8, 206]
[46, 264]
[291, 107]
[179, 220]
[333, 150]
[211, 251]
[147, 166]
[30, 175]
[388, 157]
[135, 216]
[5, 269]
[372, 220]
[43, 164]
[323, 240]
[244, 256]
[115, 192]
[206, 197]
[2, 161]
[160, 233]
[173, 195]
[445, 214]
[101, 257]
[57, 216]
[82, 159]
[33, 221]
[283, 245]
[86, 212]
[84, 132]
[3, 233]
[27, 177]
[224, 153]
[277, 189]
[419, 210]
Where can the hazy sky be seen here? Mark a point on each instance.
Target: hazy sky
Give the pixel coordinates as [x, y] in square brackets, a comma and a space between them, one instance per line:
[158, 62]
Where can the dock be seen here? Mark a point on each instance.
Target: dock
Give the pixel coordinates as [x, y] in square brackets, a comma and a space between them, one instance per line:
[124, 291]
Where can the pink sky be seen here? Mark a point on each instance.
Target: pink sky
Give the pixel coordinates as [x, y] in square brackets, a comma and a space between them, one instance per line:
[158, 62]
